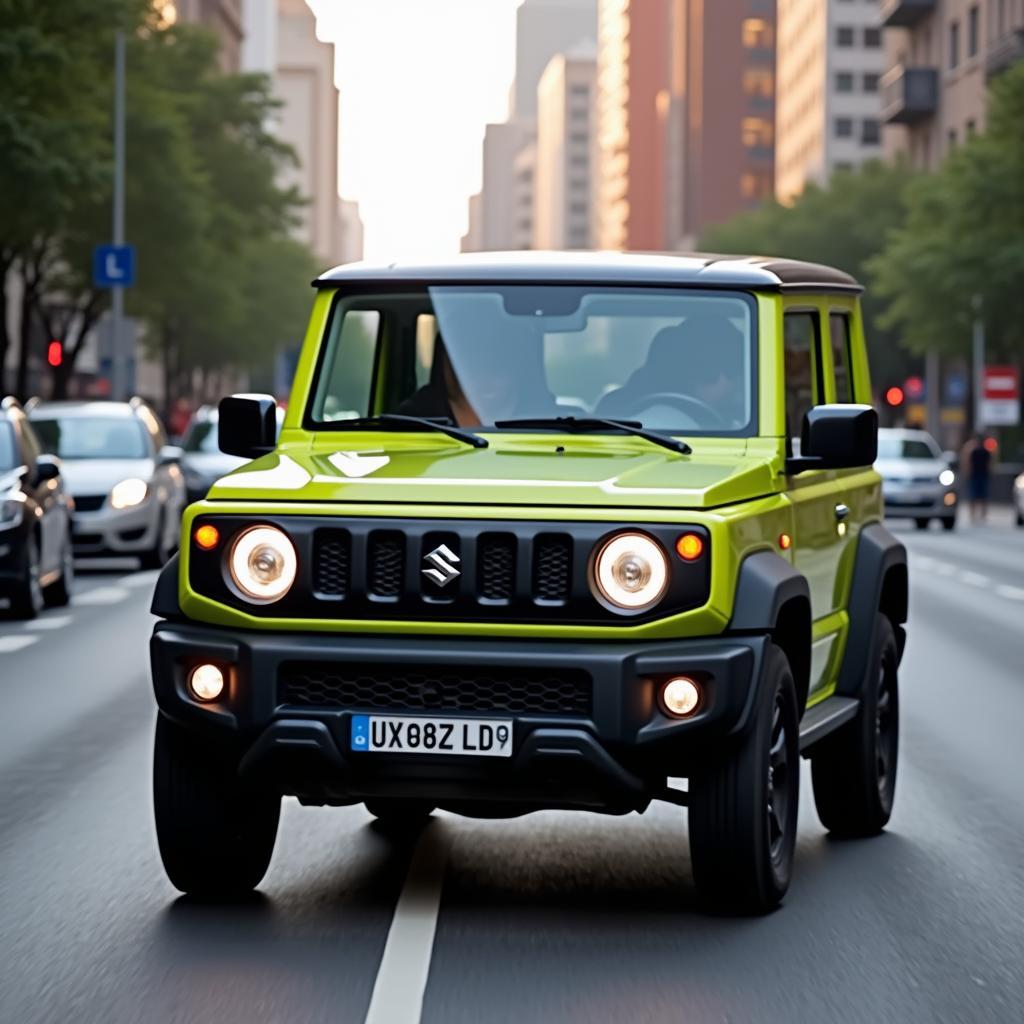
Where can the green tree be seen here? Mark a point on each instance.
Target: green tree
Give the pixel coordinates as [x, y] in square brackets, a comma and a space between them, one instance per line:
[844, 224]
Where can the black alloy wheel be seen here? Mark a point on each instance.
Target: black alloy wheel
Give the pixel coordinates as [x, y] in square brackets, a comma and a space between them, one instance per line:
[27, 595]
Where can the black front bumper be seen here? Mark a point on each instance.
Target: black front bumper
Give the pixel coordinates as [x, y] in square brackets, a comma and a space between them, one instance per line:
[616, 757]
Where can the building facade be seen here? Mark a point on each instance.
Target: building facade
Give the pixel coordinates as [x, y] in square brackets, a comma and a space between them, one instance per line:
[940, 56]
[223, 17]
[829, 63]
[562, 213]
[351, 231]
[504, 222]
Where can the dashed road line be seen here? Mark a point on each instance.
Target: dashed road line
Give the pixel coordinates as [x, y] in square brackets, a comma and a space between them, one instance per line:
[10, 644]
[141, 579]
[974, 579]
[1013, 593]
[101, 595]
[49, 622]
[402, 976]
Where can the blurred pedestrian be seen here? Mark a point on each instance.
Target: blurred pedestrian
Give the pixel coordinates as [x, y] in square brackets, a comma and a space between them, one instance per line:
[179, 418]
[976, 467]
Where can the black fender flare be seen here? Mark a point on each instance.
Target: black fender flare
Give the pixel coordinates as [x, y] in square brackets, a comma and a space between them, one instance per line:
[880, 584]
[165, 596]
[773, 597]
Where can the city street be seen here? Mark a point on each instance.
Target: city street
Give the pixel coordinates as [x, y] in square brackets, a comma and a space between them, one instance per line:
[556, 916]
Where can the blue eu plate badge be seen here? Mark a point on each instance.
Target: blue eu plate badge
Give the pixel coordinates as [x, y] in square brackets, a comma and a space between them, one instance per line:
[360, 732]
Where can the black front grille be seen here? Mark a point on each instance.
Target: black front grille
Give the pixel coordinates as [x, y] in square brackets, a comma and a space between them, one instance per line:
[496, 566]
[332, 560]
[552, 562]
[89, 502]
[385, 563]
[372, 687]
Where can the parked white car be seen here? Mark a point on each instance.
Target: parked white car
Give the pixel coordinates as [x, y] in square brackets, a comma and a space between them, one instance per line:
[918, 479]
[126, 481]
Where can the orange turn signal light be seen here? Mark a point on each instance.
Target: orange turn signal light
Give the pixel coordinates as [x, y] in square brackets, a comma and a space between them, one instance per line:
[689, 547]
[785, 541]
[207, 537]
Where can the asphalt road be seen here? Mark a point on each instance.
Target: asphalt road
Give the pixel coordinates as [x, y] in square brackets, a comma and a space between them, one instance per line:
[552, 917]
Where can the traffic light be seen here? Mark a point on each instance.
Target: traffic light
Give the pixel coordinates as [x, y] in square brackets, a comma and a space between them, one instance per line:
[894, 396]
[55, 352]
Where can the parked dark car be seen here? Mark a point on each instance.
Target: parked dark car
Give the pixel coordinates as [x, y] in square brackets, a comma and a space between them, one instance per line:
[36, 567]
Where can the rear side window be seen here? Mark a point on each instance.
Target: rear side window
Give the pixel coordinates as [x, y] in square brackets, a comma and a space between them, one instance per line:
[803, 369]
[839, 337]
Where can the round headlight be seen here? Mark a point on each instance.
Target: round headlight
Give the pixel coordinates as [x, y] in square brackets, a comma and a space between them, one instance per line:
[129, 493]
[262, 563]
[630, 572]
[946, 478]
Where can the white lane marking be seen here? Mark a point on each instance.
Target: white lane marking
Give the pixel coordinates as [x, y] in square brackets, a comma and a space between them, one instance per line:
[974, 579]
[10, 644]
[1013, 593]
[141, 579]
[921, 561]
[51, 622]
[101, 595]
[943, 569]
[402, 976]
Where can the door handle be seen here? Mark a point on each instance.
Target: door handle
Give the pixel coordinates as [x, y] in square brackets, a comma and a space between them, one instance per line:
[842, 511]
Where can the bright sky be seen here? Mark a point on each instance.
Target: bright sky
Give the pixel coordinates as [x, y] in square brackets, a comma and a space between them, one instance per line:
[419, 79]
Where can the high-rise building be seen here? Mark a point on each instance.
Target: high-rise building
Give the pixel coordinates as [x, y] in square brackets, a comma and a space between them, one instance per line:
[720, 113]
[223, 17]
[351, 231]
[281, 41]
[544, 28]
[504, 221]
[472, 240]
[940, 57]
[829, 61]
[632, 73]
[562, 211]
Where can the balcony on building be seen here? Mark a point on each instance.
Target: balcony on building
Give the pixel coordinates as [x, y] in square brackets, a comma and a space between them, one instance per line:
[905, 13]
[909, 95]
[1004, 51]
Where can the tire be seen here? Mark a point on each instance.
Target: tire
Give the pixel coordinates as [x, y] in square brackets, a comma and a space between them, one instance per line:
[949, 524]
[1020, 518]
[400, 814]
[854, 772]
[58, 594]
[921, 524]
[216, 835]
[156, 557]
[27, 595]
[743, 808]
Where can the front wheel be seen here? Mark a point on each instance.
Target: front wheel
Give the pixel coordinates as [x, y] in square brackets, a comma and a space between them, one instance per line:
[27, 594]
[921, 524]
[949, 523]
[215, 833]
[58, 593]
[157, 555]
[743, 807]
[854, 772]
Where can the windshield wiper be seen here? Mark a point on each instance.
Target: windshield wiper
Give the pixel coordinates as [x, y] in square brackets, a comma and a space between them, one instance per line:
[442, 424]
[595, 423]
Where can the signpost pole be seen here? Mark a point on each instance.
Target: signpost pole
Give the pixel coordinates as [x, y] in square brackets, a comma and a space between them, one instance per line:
[978, 360]
[119, 382]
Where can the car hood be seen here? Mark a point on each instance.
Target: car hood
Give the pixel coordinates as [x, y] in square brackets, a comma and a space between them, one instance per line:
[98, 476]
[910, 469]
[210, 465]
[588, 471]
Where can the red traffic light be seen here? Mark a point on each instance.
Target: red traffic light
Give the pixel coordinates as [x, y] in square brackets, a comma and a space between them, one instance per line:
[894, 396]
[55, 353]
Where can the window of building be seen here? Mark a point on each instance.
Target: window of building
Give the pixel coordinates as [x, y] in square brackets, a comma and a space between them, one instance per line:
[844, 81]
[759, 82]
[581, 91]
[972, 31]
[871, 132]
[755, 185]
[951, 139]
[757, 131]
[972, 128]
[872, 38]
[844, 127]
[579, 138]
[756, 33]
[843, 165]
[870, 81]
[844, 36]
[954, 44]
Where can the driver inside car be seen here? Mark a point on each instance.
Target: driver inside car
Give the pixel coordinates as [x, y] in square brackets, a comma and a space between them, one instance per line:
[692, 377]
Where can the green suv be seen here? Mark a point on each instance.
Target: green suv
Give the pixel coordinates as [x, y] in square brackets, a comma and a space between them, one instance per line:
[543, 531]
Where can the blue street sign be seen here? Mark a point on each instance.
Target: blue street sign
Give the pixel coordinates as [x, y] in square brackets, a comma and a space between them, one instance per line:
[113, 266]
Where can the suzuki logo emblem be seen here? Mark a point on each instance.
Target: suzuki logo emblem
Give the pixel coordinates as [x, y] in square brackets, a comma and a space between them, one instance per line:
[441, 564]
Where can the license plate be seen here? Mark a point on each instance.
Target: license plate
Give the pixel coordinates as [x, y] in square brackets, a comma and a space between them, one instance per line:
[392, 734]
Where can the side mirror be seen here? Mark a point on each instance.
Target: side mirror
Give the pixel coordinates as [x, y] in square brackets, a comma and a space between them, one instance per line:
[247, 425]
[169, 455]
[837, 437]
[47, 468]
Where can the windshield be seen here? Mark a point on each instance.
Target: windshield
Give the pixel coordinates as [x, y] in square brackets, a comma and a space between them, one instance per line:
[202, 437]
[906, 448]
[678, 361]
[7, 453]
[87, 437]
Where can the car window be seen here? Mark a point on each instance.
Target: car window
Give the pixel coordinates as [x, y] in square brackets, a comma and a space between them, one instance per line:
[907, 448]
[8, 453]
[803, 370]
[839, 337]
[93, 437]
[681, 361]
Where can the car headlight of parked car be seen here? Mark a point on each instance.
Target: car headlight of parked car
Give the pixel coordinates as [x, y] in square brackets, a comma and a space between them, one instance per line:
[947, 478]
[630, 572]
[262, 564]
[11, 511]
[129, 493]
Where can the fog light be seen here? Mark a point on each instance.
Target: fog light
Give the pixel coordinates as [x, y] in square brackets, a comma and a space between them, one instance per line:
[207, 536]
[680, 697]
[949, 499]
[206, 682]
